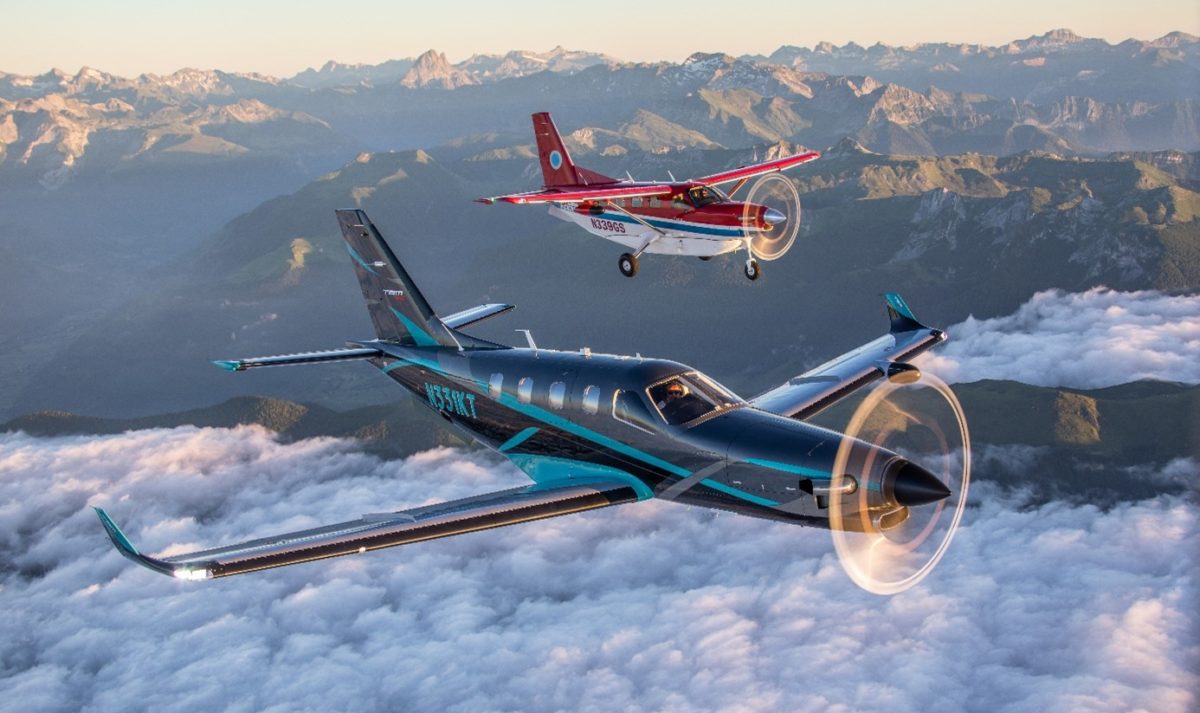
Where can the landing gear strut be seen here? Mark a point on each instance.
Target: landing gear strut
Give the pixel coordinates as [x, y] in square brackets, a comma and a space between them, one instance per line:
[752, 271]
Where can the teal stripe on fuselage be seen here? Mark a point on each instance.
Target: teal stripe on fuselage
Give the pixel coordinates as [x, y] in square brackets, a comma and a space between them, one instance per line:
[552, 470]
[789, 468]
[581, 431]
[518, 439]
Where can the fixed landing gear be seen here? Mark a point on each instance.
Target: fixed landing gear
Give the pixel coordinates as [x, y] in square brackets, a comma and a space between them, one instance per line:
[628, 264]
[752, 271]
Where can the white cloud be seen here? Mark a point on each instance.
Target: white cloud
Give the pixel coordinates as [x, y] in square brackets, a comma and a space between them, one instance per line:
[646, 607]
[1082, 340]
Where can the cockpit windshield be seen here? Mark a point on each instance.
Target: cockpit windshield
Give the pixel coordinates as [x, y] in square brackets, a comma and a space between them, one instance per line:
[706, 195]
[686, 397]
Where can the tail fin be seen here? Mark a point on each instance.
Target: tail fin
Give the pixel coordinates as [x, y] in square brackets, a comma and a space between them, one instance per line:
[557, 167]
[398, 309]
[902, 317]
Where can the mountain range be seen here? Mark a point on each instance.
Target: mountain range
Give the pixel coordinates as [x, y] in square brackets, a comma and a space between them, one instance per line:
[172, 219]
[1057, 92]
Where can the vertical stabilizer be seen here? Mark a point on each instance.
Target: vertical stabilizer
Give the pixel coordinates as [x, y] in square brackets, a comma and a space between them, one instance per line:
[557, 167]
[397, 308]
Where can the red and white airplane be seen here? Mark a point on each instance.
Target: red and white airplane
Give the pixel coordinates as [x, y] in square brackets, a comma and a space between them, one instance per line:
[691, 217]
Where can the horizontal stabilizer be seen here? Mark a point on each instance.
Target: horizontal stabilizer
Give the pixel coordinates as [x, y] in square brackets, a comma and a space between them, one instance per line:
[290, 359]
[379, 530]
[458, 320]
[813, 391]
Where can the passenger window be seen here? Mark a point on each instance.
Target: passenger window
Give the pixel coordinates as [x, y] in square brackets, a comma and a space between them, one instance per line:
[558, 395]
[496, 385]
[525, 390]
[591, 399]
[637, 202]
[654, 202]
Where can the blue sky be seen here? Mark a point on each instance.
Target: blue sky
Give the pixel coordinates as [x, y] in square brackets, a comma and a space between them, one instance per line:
[281, 38]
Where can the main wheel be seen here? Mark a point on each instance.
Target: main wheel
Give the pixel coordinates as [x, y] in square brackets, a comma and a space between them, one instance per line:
[628, 264]
[752, 271]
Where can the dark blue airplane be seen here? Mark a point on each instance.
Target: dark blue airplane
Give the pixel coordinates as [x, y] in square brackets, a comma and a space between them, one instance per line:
[594, 430]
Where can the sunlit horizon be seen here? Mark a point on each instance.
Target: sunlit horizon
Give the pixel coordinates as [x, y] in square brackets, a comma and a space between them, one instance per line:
[277, 38]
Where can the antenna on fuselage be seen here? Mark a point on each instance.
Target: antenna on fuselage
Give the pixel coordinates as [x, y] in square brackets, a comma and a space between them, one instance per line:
[673, 179]
[629, 176]
[529, 338]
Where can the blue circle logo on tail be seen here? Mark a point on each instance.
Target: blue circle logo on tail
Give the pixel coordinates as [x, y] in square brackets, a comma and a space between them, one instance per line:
[555, 160]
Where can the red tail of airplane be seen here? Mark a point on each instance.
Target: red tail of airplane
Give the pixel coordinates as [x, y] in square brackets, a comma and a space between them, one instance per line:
[557, 167]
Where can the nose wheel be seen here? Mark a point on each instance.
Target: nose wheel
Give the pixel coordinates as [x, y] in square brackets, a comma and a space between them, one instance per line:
[751, 270]
[628, 264]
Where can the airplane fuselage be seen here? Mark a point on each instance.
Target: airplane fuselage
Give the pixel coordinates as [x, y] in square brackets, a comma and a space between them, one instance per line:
[561, 415]
[678, 223]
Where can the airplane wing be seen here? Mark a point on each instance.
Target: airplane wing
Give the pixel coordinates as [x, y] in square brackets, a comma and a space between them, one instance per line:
[372, 532]
[815, 390]
[578, 195]
[758, 169]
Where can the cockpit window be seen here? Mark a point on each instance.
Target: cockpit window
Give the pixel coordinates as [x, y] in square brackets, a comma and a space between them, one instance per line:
[706, 195]
[686, 397]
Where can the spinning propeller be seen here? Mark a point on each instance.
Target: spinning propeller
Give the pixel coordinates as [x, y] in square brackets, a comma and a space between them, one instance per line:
[773, 230]
[890, 533]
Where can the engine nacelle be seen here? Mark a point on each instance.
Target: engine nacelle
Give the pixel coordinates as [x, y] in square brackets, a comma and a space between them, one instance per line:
[899, 373]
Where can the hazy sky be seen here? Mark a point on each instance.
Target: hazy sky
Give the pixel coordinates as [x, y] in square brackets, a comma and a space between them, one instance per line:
[281, 38]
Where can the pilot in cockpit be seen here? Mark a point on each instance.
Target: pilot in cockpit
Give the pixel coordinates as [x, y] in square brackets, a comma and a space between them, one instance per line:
[674, 390]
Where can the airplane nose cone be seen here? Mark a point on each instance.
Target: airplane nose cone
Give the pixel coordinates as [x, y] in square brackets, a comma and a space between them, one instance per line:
[910, 485]
[773, 217]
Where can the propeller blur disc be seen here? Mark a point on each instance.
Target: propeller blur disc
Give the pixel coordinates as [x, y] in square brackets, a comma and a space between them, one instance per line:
[887, 551]
[776, 192]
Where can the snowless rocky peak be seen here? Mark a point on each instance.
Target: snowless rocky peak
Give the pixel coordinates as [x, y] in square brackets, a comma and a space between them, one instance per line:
[848, 146]
[1174, 39]
[433, 68]
[1054, 39]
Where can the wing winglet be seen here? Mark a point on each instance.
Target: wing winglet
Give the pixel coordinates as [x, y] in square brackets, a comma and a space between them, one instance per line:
[126, 548]
[815, 390]
[902, 317]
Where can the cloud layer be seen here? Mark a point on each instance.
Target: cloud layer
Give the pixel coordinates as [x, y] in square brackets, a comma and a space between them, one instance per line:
[1082, 340]
[646, 607]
